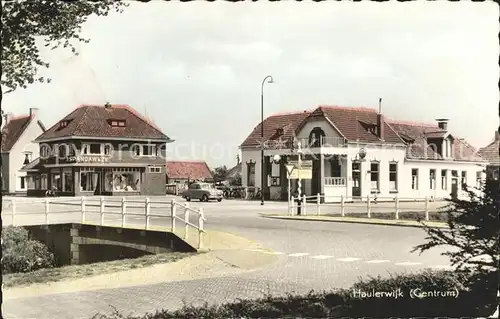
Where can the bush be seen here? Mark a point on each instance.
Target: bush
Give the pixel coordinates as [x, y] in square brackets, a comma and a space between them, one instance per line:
[343, 303]
[21, 254]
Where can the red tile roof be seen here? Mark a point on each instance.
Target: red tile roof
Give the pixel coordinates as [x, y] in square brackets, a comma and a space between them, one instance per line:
[13, 130]
[92, 121]
[491, 152]
[420, 148]
[193, 170]
[288, 121]
[342, 117]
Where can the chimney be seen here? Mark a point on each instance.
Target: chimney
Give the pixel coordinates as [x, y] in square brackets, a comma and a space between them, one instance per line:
[33, 111]
[7, 117]
[497, 135]
[107, 105]
[443, 124]
[237, 159]
[380, 121]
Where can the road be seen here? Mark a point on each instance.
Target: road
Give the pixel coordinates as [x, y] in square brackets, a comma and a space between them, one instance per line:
[310, 255]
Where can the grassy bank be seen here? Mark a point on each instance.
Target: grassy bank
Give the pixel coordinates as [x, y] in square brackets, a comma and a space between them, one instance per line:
[80, 271]
[435, 216]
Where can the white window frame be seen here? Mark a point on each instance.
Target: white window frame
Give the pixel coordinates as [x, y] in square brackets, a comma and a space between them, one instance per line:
[432, 179]
[22, 180]
[377, 188]
[414, 179]
[463, 179]
[151, 147]
[44, 150]
[154, 169]
[395, 189]
[444, 179]
[86, 149]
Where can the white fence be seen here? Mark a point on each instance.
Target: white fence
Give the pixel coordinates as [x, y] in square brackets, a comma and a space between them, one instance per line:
[122, 212]
[393, 206]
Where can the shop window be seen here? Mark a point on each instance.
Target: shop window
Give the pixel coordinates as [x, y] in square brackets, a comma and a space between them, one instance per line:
[30, 182]
[122, 180]
[414, 178]
[56, 181]
[43, 181]
[67, 181]
[37, 181]
[23, 184]
[88, 180]
[148, 150]
[393, 177]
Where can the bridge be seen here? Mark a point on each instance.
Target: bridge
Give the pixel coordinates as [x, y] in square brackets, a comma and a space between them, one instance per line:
[70, 226]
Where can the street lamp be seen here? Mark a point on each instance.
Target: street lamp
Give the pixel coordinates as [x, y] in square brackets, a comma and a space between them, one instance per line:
[269, 79]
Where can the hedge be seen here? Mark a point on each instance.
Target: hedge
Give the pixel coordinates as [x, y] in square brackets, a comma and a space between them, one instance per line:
[477, 302]
[22, 254]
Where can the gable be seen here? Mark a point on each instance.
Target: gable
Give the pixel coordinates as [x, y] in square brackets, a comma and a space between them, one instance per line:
[16, 128]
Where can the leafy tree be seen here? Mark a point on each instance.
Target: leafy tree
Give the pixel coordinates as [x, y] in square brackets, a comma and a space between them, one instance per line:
[57, 23]
[220, 173]
[473, 230]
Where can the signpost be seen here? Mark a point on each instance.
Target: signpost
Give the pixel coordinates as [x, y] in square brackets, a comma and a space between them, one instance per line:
[305, 170]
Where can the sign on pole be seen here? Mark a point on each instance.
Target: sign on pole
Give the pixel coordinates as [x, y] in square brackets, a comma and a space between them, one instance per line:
[305, 170]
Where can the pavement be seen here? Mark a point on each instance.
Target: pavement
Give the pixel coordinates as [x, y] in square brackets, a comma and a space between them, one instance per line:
[283, 256]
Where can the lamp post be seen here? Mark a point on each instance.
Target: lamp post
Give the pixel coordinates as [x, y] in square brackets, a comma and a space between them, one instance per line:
[269, 79]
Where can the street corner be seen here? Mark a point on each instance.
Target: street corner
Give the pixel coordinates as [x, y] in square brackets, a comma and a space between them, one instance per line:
[215, 240]
[246, 259]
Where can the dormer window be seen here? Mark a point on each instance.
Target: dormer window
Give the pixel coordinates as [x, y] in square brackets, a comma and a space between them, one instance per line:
[117, 123]
[279, 131]
[63, 124]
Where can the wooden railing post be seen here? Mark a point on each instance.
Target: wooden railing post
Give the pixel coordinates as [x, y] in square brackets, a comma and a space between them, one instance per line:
[46, 211]
[304, 204]
[426, 208]
[318, 202]
[201, 218]
[172, 213]
[13, 205]
[101, 210]
[342, 206]
[124, 205]
[148, 208]
[82, 203]
[368, 206]
[396, 200]
[186, 221]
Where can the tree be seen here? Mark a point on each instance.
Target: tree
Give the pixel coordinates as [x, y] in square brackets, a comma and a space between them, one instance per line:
[473, 230]
[220, 173]
[57, 23]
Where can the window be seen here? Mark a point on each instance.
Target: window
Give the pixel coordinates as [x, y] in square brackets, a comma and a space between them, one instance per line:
[30, 181]
[67, 181]
[23, 185]
[432, 179]
[122, 180]
[56, 182]
[155, 169]
[479, 179]
[27, 158]
[63, 124]
[88, 180]
[136, 150]
[94, 148]
[251, 174]
[62, 150]
[414, 178]
[374, 176]
[336, 169]
[44, 151]
[463, 180]
[149, 150]
[37, 181]
[444, 179]
[107, 149]
[43, 181]
[117, 123]
[393, 176]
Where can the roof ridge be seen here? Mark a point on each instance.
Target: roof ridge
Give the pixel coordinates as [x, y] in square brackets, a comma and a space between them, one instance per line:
[138, 115]
[348, 108]
[290, 113]
[411, 123]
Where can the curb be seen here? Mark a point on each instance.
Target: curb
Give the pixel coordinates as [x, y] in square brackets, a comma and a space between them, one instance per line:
[378, 221]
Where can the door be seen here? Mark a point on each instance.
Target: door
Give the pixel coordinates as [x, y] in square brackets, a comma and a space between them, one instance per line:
[316, 178]
[356, 179]
[454, 188]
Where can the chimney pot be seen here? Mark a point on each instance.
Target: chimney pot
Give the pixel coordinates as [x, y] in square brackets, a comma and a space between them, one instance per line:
[33, 111]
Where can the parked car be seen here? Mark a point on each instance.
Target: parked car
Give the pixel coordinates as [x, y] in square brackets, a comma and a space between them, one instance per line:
[202, 191]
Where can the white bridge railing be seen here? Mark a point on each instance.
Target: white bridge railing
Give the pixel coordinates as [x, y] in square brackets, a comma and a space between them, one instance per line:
[147, 214]
[313, 205]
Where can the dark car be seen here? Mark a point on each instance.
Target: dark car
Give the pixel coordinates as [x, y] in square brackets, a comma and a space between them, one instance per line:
[203, 192]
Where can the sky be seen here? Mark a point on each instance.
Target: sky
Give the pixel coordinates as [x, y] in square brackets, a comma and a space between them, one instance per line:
[196, 68]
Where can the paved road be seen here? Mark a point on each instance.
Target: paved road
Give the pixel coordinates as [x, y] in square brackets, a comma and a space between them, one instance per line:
[311, 255]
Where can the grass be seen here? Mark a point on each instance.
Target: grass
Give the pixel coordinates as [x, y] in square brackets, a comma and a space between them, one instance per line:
[81, 271]
[414, 216]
